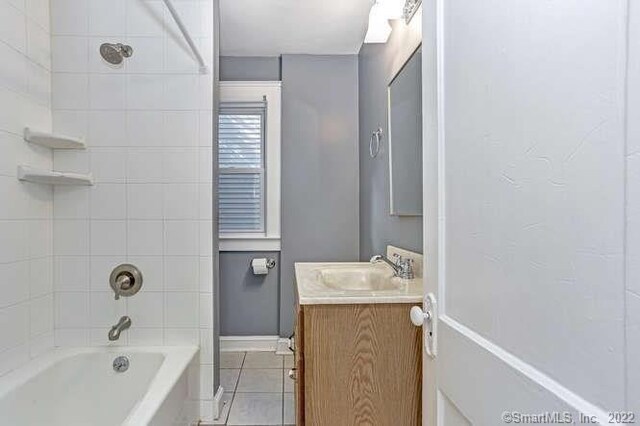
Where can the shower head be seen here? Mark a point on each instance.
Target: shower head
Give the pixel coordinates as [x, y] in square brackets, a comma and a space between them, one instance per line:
[114, 53]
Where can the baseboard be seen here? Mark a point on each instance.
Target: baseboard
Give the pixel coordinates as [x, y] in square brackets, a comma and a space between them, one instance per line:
[249, 343]
[283, 346]
[217, 403]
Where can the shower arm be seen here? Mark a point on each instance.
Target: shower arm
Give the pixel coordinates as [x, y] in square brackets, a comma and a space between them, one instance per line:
[185, 34]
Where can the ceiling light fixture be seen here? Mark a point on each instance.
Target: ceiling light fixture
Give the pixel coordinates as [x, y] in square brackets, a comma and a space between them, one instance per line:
[379, 29]
[394, 9]
[410, 9]
[382, 11]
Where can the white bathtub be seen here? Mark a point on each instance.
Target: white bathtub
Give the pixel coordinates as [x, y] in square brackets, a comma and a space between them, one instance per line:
[78, 387]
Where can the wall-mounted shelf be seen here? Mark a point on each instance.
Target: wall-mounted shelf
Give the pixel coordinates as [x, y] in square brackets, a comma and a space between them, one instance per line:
[54, 141]
[49, 177]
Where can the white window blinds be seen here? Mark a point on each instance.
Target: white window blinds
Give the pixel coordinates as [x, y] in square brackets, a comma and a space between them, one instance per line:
[242, 170]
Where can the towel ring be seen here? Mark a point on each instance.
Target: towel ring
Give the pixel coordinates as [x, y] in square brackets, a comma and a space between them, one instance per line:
[374, 149]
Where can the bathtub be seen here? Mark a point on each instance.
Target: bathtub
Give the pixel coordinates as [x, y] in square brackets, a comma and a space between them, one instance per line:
[79, 387]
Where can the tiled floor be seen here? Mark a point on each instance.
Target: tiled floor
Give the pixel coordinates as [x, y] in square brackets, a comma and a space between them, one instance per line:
[257, 388]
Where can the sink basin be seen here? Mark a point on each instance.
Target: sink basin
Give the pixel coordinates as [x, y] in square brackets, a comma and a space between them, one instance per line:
[321, 283]
[358, 277]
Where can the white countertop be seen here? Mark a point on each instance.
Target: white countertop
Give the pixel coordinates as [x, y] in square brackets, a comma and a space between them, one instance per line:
[312, 291]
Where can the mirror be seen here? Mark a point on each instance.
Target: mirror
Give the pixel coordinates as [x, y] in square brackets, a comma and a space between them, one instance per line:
[405, 138]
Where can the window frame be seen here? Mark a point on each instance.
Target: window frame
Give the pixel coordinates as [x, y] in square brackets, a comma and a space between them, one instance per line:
[239, 92]
[235, 108]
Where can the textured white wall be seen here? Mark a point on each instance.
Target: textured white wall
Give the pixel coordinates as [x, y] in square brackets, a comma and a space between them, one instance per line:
[633, 211]
[26, 293]
[148, 128]
[535, 178]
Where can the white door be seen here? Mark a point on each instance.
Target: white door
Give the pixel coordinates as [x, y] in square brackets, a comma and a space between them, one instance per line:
[524, 180]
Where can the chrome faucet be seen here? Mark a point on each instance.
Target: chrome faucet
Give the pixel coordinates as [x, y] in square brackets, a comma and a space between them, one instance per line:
[123, 324]
[402, 268]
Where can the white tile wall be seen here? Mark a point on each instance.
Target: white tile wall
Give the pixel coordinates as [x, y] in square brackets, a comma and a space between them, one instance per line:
[26, 267]
[148, 129]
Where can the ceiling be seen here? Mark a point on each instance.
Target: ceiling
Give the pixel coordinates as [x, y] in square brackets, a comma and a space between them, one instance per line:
[275, 27]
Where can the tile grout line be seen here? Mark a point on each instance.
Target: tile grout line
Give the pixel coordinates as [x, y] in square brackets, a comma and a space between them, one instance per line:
[233, 395]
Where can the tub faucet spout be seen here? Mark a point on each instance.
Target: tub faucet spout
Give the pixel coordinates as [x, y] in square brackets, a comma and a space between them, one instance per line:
[123, 324]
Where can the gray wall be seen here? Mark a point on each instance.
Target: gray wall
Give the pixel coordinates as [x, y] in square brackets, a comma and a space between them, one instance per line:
[378, 64]
[249, 305]
[248, 302]
[320, 209]
[250, 68]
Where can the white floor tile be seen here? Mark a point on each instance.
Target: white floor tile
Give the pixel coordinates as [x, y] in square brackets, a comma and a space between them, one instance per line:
[288, 382]
[231, 359]
[229, 379]
[260, 380]
[288, 361]
[263, 360]
[289, 409]
[256, 409]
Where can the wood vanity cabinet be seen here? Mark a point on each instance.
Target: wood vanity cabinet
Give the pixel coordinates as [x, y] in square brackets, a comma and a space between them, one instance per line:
[358, 364]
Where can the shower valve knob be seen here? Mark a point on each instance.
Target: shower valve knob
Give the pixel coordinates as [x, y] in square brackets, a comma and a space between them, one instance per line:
[125, 280]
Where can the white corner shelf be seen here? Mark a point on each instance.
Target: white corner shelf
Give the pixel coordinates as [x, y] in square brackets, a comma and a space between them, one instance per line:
[49, 177]
[53, 141]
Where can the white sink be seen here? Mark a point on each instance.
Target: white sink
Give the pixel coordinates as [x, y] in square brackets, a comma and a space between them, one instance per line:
[359, 277]
[362, 282]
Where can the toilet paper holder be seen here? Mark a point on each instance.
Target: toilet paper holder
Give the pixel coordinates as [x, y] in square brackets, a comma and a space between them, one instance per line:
[271, 263]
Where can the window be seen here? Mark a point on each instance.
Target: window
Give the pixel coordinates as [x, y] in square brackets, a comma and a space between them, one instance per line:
[241, 161]
[249, 166]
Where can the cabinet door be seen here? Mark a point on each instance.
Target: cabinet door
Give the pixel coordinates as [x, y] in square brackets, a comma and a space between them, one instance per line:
[362, 365]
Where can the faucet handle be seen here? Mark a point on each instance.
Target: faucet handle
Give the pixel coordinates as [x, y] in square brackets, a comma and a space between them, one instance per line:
[406, 268]
[125, 280]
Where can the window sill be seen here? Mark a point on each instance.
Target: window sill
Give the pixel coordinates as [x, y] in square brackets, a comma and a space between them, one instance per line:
[249, 243]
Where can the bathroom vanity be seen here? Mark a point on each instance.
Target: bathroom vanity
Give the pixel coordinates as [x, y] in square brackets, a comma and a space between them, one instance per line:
[358, 358]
